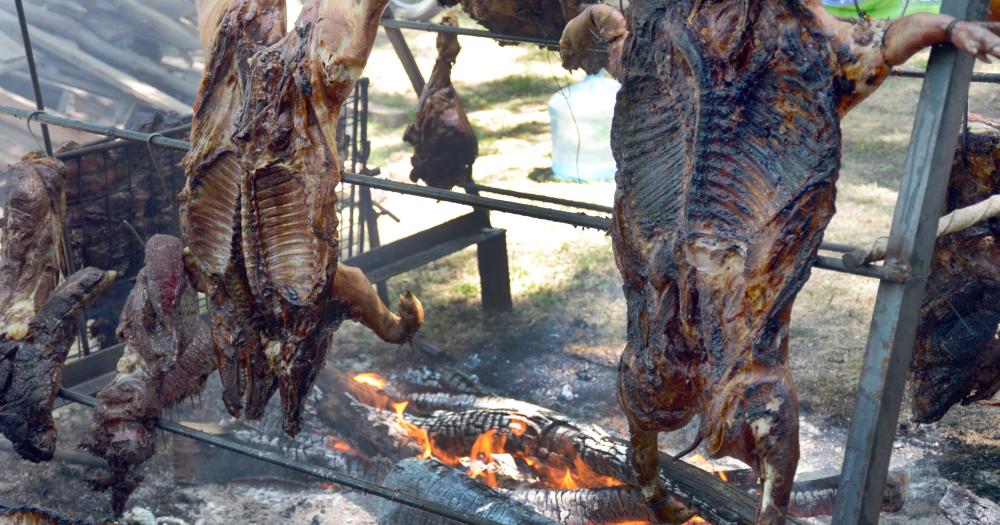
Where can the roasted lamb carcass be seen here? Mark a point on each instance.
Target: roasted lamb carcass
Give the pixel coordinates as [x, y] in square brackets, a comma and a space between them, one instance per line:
[167, 359]
[727, 138]
[444, 144]
[38, 323]
[532, 18]
[259, 209]
[957, 355]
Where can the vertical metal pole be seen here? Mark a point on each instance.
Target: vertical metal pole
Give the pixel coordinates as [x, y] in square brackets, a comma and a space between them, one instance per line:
[402, 49]
[494, 273]
[30, 55]
[897, 307]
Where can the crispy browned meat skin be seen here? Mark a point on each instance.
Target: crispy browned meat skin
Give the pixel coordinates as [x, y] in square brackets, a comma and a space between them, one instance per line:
[32, 231]
[727, 139]
[31, 368]
[957, 356]
[444, 144]
[533, 18]
[259, 208]
[167, 360]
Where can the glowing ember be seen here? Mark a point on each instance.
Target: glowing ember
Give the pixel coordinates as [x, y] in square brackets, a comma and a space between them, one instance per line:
[371, 379]
[694, 520]
[518, 427]
[328, 486]
[340, 446]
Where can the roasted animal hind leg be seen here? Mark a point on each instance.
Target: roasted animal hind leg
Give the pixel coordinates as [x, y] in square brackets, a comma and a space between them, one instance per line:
[354, 290]
[761, 429]
[644, 454]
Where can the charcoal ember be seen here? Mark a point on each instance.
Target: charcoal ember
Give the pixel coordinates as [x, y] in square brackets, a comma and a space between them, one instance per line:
[957, 355]
[444, 144]
[259, 209]
[167, 359]
[36, 516]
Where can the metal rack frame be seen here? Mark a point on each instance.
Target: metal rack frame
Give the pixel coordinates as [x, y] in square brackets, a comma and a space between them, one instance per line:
[903, 277]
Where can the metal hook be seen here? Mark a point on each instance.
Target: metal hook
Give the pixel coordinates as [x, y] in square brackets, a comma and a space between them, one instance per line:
[33, 115]
[156, 165]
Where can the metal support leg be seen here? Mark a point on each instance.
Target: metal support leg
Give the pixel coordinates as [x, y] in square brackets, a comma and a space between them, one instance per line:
[402, 49]
[897, 307]
[494, 273]
[33, 71]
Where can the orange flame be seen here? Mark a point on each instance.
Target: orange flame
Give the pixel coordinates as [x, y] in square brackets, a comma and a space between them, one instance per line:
[518, 427]
[486, 445]
[694, 520]
[340, 446]
[371, 379]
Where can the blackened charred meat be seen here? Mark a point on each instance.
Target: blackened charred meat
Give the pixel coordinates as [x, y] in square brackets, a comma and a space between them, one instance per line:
[31, 367]
[444, 144]
[727, 139]
[39, 323]
[167, 359]
[957, 355]
[259, 209]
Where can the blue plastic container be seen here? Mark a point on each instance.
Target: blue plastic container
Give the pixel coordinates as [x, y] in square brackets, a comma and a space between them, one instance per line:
[581, 130]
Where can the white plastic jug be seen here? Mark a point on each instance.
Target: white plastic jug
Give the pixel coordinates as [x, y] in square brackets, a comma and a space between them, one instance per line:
[581, 129]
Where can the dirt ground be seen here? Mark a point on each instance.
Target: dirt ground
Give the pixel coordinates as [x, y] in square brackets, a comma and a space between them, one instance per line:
[559, 346]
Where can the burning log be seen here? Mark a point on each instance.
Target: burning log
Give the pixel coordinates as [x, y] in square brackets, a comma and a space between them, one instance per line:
[437, 482]
[587, 506]
[561, 452]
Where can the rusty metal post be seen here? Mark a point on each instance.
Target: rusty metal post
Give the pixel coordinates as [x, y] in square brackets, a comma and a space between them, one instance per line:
[897, 307]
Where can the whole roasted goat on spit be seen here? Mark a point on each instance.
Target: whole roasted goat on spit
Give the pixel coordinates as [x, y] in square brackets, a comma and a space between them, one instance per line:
[38, 320]
[444, 144]
[259, 209]
[727, 138]
[167, 359]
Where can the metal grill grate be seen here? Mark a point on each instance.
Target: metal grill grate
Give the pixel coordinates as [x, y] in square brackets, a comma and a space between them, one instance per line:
[119, 194]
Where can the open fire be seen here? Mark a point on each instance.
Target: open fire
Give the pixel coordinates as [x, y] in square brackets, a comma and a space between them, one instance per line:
[490, 460]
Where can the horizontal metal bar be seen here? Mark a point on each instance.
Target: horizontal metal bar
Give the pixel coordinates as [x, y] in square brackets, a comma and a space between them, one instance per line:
[985, 78]
[326, 474]
[574, 219]
[885, 273]
[97, 129]
[837, 247]
[539, 198]
[441, 28]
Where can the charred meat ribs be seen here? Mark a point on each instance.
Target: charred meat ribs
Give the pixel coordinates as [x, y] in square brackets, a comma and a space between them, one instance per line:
[444, 144]
[167, 359]
[727, 138]
[258, 211]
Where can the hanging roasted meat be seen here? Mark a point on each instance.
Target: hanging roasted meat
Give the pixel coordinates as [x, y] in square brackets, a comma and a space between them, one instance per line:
[38, 324]
[31, 367]
[532, 18]
[259, 209]
[32, 244]
[957, 355]
[444, 144]
[167, 359]
[727, 138]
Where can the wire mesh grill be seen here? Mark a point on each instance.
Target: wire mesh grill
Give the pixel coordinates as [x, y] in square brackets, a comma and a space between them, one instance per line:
[119, 194]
